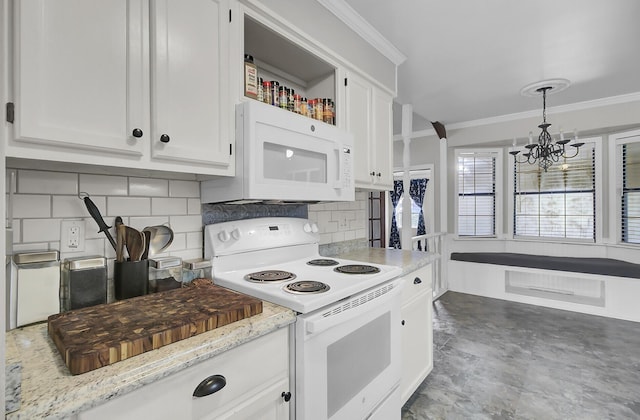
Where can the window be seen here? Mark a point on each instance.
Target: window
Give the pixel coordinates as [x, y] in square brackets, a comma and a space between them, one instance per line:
[559, 203]
[476, 190]
[630, 206]
[415, 213]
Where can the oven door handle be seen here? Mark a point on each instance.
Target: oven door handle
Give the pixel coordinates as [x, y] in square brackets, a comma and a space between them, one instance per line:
[332, 317]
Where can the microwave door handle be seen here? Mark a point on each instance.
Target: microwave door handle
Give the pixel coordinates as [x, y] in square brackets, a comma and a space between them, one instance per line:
[316, 326]
[338, 184]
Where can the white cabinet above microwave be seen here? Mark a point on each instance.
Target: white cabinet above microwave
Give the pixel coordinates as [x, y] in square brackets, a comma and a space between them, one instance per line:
[284, 156]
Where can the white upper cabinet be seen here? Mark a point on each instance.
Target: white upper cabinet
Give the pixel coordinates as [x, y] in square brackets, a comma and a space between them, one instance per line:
[79, 74]
[369, 119]
[189, 74]
[134, 84]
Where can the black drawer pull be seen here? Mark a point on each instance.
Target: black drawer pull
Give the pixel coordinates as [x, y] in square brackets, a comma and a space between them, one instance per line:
[165, 138]
[210, 385]
[286, 396]
[137, 133]
[417, 280]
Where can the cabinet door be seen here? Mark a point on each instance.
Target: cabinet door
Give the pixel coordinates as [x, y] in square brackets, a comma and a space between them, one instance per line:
[252, 381]
[190, 89]
[417, 343]
[382, 140]
[358, 123]
[80, 75]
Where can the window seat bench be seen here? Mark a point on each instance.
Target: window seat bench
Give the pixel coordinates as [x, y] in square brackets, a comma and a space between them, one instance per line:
[601, 266]
[598, 286]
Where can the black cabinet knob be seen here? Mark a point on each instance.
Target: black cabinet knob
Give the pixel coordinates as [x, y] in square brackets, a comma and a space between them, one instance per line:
[210, 385]
[286, 396]
[372, 173]
[137, 133]
[165, 138]
[402, 322]
[417, 280]
[379, 174]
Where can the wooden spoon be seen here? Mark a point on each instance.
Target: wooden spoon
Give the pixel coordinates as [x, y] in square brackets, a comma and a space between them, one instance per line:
[134, 240]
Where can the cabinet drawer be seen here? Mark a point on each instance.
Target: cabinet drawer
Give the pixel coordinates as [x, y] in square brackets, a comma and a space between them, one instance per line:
[413, 287]
[248, 369]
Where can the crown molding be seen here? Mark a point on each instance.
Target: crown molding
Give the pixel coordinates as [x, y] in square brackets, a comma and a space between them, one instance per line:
[577, 106]
[353, 20]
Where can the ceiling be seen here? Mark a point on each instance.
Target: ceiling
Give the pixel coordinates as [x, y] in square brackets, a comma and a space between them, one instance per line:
[469, 59]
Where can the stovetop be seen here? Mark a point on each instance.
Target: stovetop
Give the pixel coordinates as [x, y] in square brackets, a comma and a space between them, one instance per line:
[285, 245]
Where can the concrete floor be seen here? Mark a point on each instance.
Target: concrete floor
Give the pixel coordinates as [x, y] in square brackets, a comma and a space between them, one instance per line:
[502, 360]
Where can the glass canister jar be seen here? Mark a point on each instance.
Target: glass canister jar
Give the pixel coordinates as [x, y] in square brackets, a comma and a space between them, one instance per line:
[266, 92]
[198, 268]
[165, 273]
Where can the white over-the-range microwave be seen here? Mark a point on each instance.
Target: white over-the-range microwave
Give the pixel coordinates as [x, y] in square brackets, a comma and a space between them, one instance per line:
[283, 156]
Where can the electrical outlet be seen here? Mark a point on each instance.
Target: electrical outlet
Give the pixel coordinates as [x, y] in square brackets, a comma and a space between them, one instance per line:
[72, 236]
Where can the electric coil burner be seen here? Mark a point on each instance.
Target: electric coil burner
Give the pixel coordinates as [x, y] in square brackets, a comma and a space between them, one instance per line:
[323, 262]
[306, 286]
[269, 276]
[357, 269]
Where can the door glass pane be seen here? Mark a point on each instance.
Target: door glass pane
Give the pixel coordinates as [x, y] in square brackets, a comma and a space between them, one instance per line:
[293, 164]
[356, 360]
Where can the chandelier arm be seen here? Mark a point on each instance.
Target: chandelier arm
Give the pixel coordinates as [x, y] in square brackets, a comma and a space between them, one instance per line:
[574, 155]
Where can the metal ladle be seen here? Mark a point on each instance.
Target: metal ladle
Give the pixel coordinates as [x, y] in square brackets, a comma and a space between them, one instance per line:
[159, 238]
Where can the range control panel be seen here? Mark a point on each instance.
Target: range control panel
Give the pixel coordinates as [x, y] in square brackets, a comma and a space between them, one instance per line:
[260, 233]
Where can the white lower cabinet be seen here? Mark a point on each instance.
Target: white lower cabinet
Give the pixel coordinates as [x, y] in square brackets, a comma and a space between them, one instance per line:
[257, 382]
[417, 330]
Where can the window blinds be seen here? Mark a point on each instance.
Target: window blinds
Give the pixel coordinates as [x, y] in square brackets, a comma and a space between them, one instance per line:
[631, 193]
[476, 194]
[559, 203]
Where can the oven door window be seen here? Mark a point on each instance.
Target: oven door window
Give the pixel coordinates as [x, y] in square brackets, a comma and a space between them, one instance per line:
[355, 360]
[293, 164]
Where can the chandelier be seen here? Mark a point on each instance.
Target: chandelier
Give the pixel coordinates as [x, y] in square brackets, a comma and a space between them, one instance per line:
[545, 153]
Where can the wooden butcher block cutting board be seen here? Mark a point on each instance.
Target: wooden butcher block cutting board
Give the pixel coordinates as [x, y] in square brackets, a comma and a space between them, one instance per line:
[97, 336]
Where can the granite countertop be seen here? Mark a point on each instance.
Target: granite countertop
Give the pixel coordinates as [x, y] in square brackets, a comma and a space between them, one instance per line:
[47, 389]
[409, 261]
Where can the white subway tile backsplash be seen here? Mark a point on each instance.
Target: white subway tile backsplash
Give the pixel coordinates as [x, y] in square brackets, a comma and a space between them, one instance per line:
[186, 223]
[103, 185]
[170, 206]
[179, 243]
[142, 222]
[184, 189]
[148, 187]
[329, 227]
[40, 230]
[194, 206]
[128, 206]
[44, 182]
[45, 198]
[34, 246]
[188, 254]
[72, 206]
[195, 239]
[337, 237]
[31, 206]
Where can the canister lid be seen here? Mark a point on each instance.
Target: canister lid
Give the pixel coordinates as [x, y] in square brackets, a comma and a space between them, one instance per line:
[31, 257]
[165, 262]
[196, 264]
[85, 263]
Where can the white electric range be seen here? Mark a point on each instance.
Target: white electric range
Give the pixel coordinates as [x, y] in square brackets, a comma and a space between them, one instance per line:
[347, 333]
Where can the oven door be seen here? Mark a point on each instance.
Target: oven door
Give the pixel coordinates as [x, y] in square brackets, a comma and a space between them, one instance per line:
[348, 356]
